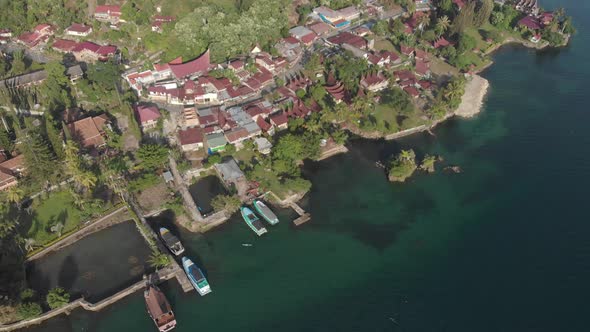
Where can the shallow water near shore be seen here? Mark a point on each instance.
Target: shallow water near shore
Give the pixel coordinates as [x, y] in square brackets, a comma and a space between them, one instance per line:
[503, 246]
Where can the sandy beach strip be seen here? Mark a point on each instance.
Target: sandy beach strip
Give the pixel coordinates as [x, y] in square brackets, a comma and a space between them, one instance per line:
[472, 101]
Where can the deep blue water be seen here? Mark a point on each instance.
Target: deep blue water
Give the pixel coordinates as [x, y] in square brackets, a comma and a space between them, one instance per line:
[503, 246]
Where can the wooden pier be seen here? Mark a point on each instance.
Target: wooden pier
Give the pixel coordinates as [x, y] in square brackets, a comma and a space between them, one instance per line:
[303, 216]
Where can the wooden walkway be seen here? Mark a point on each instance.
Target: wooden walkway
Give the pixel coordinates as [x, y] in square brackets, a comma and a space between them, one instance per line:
[303, 216]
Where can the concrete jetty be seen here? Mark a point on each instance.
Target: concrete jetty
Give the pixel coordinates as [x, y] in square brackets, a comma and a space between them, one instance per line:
[172, 271]
[291, 202]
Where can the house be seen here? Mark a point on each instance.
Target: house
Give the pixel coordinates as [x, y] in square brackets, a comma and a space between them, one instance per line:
[362, 31]
[191, 139]
[265, 126]
[320, 28]
[349, 13]
[530, 7]
[279, 120]
[459, 3]
[89, 132]
[64, 45]
[412, 91]
[546, 18]
[349, 38]
[108, 13]
[535, 38]
[440, 43]
[147, 115]
[10, 171]
[159, 20]
[383, 58]
[530, 22]
[216, 142]
[195, 67]
[36, 78]
[404, 75]
[330, 16]
[421, 55]
[237, 135]
[78, 30]
[40, 34]
[423, 5]
[263, 145]
[422, 68]
[374, 82]
[5, 35]
[91, 52]
[229, 171]
[303, 34]
[407, 51]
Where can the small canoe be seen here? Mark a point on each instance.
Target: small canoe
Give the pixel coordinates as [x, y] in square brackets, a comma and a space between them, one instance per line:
[265, 212]
[252, 221]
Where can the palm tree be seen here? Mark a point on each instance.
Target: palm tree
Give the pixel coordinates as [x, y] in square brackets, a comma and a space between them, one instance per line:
[29, 244]
[158, 260]
[453, 90]
[88, 180]
[423, 22]
[443, 24]
[57, 228]
[15, 194]
[406, 155]
[78, 200]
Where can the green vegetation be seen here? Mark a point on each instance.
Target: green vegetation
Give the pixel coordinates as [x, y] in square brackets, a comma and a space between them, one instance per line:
[402, 166]
[57, 298]
[226, 202]
[158, 259]
[29, 310]
[152, 156]
[428, 164]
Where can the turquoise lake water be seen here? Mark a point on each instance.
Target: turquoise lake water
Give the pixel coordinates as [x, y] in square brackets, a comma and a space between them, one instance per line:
[504, 246]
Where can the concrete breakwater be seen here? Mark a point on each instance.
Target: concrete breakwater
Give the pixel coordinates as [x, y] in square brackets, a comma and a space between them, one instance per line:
[172, 271]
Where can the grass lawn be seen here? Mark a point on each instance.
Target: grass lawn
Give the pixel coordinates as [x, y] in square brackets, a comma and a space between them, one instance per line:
[440, 67]
[382, 44]
[388, 115]
[244, 155]
[58, 207]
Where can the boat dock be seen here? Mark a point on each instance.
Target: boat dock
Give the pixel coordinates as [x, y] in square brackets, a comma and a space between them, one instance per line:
[303, 216]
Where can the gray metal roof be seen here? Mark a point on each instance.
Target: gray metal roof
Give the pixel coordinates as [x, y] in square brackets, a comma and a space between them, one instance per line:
[229, 170]
[216, 139]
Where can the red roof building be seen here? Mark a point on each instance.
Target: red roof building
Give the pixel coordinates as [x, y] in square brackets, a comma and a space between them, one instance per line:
[320, 28]
[406, 50]
[194, 67]
[422, 67]
[530, 22]
[403, 75]
[412, 91]
[374, 82]
[108, 13]
[263, 124]
[441, 42]
[350, 39]
[89, 132]
[279, 120]
[191, 139]
[78, 29]
[64, 45]
[147, 115]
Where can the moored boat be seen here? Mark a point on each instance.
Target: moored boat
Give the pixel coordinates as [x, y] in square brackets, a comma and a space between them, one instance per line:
[252, 221]
[159, 308]
[265, 212]
[172, 242]
[196, 276]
